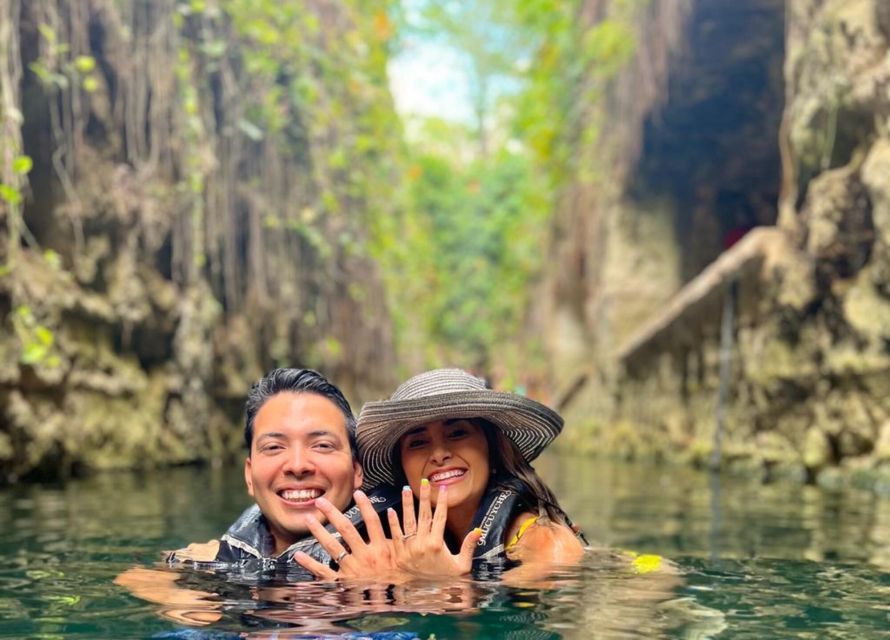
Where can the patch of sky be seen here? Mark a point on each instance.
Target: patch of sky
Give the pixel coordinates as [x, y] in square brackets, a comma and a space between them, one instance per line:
[453, 66]
[429, 79]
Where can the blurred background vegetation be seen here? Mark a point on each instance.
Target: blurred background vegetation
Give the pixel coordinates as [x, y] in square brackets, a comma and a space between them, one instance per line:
[464, 261]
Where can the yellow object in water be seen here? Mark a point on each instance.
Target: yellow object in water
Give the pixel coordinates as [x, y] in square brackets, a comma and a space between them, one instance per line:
[645, 563]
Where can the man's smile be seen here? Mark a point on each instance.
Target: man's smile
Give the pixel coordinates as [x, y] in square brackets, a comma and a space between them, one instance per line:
[300, 497]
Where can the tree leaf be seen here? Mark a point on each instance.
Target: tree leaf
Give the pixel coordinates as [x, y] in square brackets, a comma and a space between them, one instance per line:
[44, 336]
[33, 353]
[52, 258]
[22, 164]
[84, 64]
[250, 130]
[10, 194]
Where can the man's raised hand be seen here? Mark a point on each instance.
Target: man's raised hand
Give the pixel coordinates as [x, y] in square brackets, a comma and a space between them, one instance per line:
[356, 558]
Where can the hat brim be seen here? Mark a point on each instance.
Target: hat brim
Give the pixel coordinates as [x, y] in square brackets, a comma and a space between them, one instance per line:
[531, 425]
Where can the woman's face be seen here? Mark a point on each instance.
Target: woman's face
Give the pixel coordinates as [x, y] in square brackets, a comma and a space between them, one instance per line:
[447, 452]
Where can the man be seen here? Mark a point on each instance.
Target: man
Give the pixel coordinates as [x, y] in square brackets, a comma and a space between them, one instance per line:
[300, 437]
[301, 464]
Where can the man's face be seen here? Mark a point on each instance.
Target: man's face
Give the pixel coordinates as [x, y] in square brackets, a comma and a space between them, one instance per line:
[300, 451]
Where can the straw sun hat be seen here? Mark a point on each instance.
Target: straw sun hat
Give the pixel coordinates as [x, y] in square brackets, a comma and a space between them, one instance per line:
[444, 394]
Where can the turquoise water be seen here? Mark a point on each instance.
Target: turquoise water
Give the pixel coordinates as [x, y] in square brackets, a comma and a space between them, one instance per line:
[774, 561]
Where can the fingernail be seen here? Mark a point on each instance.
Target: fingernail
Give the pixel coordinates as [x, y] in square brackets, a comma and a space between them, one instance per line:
[390, 510]
[406, 488]
[424, 482]
[477, 531]
[359, 494]
[321, 502]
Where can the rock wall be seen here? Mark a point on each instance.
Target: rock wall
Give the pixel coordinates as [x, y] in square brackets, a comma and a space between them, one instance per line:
[808, 394]
[599, 254]
[189, 197]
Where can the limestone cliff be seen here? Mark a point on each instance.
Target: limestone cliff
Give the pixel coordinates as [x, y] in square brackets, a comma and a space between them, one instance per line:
[187, 200]
[768, 113]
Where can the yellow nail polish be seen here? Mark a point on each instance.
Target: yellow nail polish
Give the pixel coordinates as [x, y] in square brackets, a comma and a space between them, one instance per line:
[424, 482]
[477, 531]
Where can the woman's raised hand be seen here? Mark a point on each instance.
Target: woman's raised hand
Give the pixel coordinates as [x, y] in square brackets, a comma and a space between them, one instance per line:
[420, 549]
[372, 559]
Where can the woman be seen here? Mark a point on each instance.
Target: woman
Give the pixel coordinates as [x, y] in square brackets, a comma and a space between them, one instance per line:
[465, 450]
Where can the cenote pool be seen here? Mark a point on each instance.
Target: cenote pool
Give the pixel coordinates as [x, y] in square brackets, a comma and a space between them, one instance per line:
[774, 561]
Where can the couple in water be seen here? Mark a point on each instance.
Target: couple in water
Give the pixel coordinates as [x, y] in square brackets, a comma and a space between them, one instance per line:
[424, 484]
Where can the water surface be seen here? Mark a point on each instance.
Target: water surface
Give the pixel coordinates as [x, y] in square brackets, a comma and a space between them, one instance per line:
[773, 561]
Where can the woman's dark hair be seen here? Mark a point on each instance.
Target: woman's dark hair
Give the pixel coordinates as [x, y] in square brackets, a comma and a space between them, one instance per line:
[295, 381]
[506, 461]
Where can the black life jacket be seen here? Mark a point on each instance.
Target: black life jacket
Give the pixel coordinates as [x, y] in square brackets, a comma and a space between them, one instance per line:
[248, 539]
[500, 504]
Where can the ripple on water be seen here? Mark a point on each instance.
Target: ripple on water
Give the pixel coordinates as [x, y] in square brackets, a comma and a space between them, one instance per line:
[756, 562]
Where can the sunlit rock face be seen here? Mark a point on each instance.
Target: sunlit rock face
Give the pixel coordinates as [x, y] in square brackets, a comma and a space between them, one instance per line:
[687, 155]
[183, 236]
[707, 168]
[711, 147]
[770, 113]
[834, 205]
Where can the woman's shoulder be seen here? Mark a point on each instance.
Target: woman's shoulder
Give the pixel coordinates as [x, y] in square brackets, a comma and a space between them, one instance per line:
[519, 524]
[532, 537]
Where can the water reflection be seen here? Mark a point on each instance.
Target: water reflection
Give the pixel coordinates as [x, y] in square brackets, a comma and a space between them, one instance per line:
[759, 561]
[319, 607]
[600, 594]
[680, 512]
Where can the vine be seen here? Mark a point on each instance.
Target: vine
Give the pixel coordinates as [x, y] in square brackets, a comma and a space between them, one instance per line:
[13, 165]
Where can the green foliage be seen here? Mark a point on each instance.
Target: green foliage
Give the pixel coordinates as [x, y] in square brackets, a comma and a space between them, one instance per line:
[557, 112]
[10, 194]
[84, 64]
[331, 84]
[22, 165]
[53, 259]
[36, 339]
[56, 69]
[461, 241]
[608, 45]
[47, 76]
[466, 250]
[464, 257]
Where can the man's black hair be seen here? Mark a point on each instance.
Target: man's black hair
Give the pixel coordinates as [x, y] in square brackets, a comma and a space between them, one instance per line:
[296, 381]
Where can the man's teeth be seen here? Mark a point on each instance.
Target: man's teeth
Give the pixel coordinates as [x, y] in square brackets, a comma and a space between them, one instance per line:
[301, 495]
[445, 475]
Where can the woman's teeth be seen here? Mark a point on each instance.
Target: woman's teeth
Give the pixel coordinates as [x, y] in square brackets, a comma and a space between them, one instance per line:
[446, 475]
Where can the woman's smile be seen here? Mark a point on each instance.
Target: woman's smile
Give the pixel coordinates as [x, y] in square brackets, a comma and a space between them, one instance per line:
[447, 476]
[452, 453]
